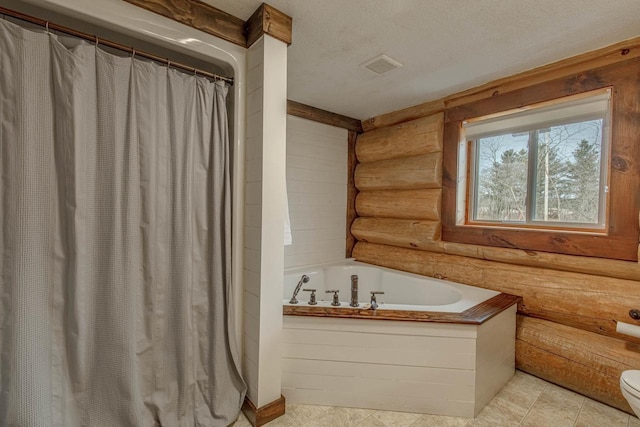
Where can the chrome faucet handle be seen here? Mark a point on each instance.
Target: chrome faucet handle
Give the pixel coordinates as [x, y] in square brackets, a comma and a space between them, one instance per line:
[336, 299]
[374, 301]
[312, 297]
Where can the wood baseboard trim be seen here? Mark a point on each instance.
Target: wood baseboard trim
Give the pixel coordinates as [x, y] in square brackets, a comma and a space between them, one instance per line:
[260, 416]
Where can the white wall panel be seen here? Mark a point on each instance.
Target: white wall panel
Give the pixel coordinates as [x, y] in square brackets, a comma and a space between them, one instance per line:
[253, 218]
[435, 368]
[396, 390]
[381, 327]
[423, 374]
[274, 136]
[442, 357]
[317, 192]
[496, 354]
[264, 193]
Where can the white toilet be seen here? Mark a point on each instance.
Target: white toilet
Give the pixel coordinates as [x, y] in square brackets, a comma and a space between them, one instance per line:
[630, 386]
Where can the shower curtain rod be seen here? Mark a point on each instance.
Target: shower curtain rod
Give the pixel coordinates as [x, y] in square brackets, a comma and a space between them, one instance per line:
[134, 52]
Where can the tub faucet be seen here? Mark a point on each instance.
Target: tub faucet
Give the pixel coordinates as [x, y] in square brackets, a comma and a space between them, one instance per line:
[312, 297]
[303, 279]
[354, 290]
[336, 298]
[374, 301]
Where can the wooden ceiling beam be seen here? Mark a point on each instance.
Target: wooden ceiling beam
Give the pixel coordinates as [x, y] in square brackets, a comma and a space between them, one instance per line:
[317, 115]
[200, 16]
[211, 20]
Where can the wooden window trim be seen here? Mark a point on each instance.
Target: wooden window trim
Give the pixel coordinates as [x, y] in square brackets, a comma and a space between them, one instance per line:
[621, 238]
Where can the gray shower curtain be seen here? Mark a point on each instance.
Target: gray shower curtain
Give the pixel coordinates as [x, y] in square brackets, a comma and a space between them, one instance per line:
[115, 248]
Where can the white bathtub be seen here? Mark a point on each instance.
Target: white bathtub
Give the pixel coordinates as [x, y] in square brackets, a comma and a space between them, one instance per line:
[432, 346]
[402, 291]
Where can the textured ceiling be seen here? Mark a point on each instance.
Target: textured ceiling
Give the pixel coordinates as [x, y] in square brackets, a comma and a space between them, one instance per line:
[445, 45]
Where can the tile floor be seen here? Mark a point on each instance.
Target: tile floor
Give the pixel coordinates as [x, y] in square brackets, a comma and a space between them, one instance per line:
[525, 401]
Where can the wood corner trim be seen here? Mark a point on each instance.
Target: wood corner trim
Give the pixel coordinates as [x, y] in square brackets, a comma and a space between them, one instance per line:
[269, 20]
[260, 416]
[322, 116]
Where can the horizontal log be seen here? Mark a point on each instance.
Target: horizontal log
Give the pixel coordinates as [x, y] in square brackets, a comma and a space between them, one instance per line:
[591, 303]
[404, 115]
[404, 173]
[421, 136]
[577, 264]
[582, 361]
[402, 204]
[408, 233]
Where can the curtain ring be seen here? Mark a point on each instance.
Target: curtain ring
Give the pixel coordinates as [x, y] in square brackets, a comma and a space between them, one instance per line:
[97, 41]
[46, 26]
[195, 72]
[133, 53]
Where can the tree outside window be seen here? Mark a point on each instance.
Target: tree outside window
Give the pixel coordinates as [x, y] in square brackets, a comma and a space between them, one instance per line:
[550, 174]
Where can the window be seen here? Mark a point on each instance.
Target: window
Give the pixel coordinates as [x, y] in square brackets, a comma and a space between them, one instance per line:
[553, 166]
[541, 167]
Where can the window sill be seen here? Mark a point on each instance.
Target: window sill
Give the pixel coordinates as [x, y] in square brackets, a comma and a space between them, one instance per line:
[539, 228]
[568, 243]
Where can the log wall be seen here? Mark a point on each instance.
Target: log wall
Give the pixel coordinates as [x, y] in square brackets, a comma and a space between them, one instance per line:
[567, 319]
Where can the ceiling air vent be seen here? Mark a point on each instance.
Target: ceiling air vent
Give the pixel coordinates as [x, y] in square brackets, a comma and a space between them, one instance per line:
[381, 64]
